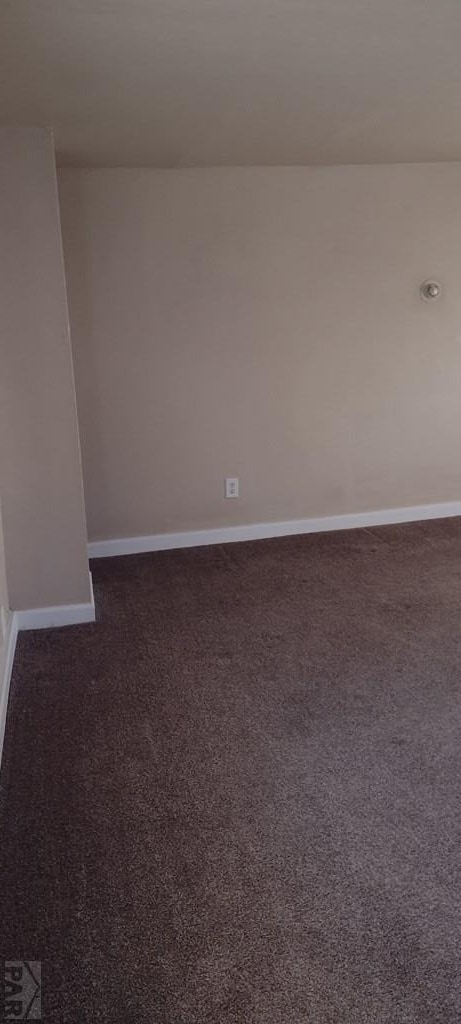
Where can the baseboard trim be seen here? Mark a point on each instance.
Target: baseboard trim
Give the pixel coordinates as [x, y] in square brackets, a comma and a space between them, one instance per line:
[260, 531]
[6, 668]
[35, 618]
[60, 615]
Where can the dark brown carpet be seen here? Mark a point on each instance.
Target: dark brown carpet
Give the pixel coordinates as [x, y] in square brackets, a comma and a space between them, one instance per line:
[237, 798]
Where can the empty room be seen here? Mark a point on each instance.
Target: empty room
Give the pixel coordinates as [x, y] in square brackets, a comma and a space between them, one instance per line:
[230, 526]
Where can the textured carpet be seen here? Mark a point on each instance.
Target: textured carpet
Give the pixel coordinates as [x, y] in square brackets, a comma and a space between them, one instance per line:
[237, 797]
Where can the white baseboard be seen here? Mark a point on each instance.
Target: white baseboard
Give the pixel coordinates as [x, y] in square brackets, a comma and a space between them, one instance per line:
[259, 531]
[61, 615]
[35, 618]
[6, 668]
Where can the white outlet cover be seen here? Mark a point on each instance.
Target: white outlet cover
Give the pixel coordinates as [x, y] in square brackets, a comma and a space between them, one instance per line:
[231, 488]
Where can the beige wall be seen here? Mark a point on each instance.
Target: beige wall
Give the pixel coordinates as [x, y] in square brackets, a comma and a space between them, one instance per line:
[4, 605]
[266, 324]
[40, 476]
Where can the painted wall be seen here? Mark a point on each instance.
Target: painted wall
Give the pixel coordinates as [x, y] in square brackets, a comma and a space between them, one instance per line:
[4, 603]
[40, 474]
[266, 324]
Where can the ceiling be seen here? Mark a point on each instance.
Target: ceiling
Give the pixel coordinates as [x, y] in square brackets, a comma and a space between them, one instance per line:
[175, 83]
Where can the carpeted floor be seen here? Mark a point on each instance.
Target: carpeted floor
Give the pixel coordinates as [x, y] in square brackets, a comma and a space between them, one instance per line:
[236, 799]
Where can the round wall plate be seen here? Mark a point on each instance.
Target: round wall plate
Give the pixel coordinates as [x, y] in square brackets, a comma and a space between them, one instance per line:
[430, 291]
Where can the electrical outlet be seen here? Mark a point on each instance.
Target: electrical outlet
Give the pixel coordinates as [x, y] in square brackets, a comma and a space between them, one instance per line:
[231, 487]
